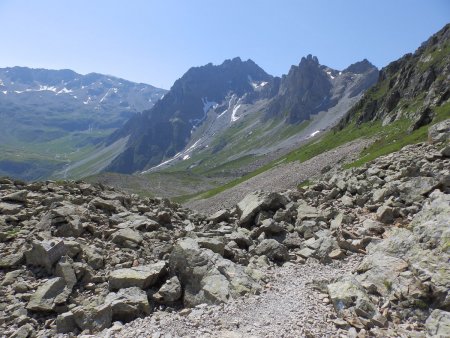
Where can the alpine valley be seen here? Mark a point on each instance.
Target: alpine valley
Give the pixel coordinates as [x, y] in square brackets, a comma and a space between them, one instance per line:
[236, 204]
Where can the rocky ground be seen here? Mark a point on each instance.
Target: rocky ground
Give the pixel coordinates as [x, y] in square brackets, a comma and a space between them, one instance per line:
[282, 177]
[361, 252]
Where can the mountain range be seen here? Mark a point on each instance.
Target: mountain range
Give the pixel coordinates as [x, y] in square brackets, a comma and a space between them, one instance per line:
[48, 114]
[218, 123]
[216, 98]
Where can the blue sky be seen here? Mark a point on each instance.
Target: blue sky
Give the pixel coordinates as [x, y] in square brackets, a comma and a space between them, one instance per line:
[157, 41]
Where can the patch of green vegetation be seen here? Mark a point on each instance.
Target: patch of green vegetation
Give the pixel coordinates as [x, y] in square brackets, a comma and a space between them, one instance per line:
[395, 136]
[388, 285]
[419, 303]
[436, 57]
[389, 139]
[303, 184]
[12, 233]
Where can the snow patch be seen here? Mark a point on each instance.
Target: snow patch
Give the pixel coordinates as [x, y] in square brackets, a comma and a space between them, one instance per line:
[88, 100]
[5, 92]
[329, 74]
[1, 82]
[183, 154]
[314, 133]
[107, 93]
[233, 116]
[64, 91]
[47, 88]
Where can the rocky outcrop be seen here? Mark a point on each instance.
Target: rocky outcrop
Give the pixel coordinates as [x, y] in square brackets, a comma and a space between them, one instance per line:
[413, 87]
[310, 88]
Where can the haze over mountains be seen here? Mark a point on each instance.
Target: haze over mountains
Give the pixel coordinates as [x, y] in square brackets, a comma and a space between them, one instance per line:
[48, 114]
[69, 117]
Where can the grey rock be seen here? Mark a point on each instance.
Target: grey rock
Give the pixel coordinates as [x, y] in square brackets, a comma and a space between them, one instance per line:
[440, 132]
[23, 332]
[10, 209]
[305, 211]
[12, 260]
[269, 226]
[141, 276]
[169, 292]
[325, 245]
[438, 324]
[65, 323]
[48, 295]
[106, 205]
[215, 244]
[274, 250]
[46, 253]
[220, 216]
[127, 238]
[93, 256]
[257, 201]
[11, 277]
[128, 304]
[306, 253]
[416, 188]
[65, 270]
[347, 201]
[207, 277]
[385, 214]
[17, 196]
[93, 317]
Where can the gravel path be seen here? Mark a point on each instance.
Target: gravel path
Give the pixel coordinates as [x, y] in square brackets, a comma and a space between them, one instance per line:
[283, 177]
[287, 307]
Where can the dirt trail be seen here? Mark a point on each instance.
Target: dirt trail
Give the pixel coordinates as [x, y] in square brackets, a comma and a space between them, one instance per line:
[287, 307]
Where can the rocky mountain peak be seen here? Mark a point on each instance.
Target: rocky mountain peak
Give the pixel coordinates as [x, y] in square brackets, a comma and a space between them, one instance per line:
[309, 60]
[310, 88]
[360, 67]
[157, 134]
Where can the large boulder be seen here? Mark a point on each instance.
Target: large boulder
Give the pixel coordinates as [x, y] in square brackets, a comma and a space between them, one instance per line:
[416, 188]
[273, 249]
[128, 304]
[141, 276]
[438, 324]
[93, 317]
[440, 132]
[169, 292]
[206, 276]
[65, 219]
[351, 302]
[17, 196]
[256, 202]
[46, 253]
[52, 293]
[127, 238]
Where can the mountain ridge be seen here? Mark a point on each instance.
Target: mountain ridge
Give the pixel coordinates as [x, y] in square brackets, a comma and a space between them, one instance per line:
[49, 115]
[145, 148]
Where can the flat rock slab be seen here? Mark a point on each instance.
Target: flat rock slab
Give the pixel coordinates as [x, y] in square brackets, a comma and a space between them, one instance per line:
[141, 276]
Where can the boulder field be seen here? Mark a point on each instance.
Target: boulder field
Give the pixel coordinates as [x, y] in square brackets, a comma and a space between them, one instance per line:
[76, 258]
